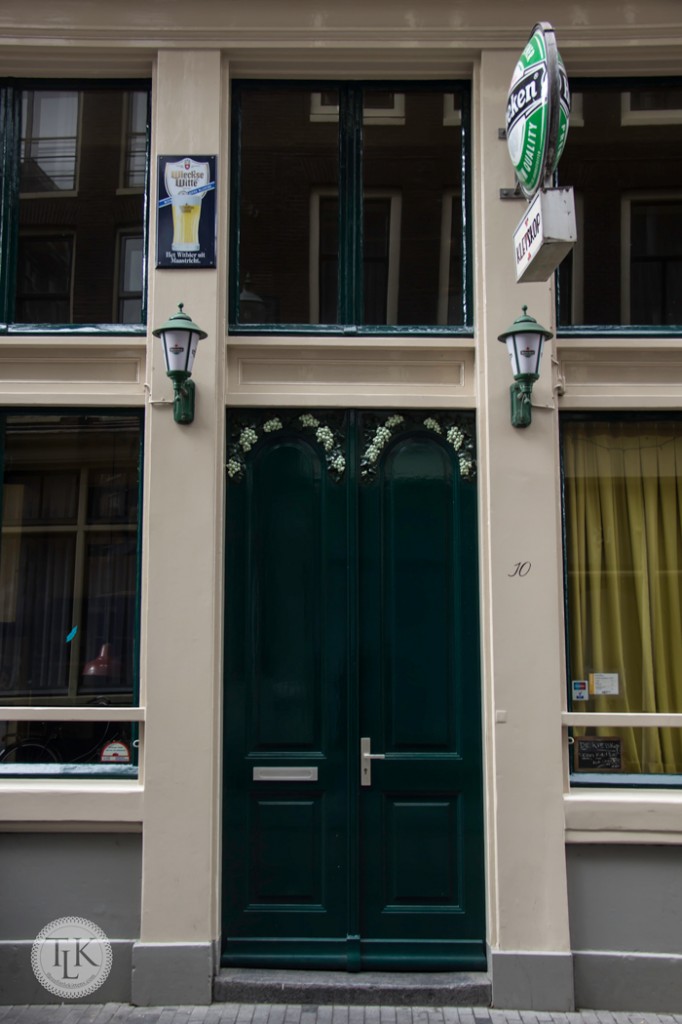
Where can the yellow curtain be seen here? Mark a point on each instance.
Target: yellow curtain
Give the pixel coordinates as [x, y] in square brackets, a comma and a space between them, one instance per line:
[623, 495]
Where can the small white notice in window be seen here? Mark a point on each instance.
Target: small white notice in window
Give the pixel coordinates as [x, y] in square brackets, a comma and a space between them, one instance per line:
[580, 690]
[604, 684]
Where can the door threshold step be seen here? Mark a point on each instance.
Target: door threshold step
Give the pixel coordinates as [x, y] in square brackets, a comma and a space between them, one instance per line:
[370, 988]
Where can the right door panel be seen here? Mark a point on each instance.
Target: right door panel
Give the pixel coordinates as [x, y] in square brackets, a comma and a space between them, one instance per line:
[421, 818]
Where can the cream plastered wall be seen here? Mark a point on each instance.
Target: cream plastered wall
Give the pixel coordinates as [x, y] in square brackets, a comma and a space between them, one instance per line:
[191, 50]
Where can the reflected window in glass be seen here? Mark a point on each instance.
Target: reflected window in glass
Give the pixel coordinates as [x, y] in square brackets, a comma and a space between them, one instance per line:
[339, 218]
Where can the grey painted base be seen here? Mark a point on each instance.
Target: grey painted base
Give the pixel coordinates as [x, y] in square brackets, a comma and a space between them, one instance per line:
[532, 980]
[628, 981]
[368, 988]
[169, 973]
[19, 985]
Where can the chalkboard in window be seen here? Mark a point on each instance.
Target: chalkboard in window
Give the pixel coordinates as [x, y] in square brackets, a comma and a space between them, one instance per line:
[598, 754]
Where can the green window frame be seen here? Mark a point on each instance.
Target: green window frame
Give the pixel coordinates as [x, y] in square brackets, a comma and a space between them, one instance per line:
[70, 575]
[350, 188]
[65, 200]
[645, 148]
[621, 496]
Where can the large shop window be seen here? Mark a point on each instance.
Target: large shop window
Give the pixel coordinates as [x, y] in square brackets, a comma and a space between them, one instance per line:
[69, 582]
[73, 213]
[623, 157]
[349, 208]
[623, 508]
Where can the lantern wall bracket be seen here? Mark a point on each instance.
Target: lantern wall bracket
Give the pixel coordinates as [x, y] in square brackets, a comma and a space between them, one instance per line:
[521, 407]
[183, 401]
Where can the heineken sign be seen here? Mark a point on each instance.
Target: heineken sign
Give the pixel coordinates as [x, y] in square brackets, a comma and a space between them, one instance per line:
[538, 107]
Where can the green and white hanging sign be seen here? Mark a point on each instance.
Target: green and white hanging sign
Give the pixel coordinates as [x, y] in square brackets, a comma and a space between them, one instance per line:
[538, 107]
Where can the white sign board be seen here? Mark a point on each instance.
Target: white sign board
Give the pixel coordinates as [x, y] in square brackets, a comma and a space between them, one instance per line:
[604, 684]
[544, 235]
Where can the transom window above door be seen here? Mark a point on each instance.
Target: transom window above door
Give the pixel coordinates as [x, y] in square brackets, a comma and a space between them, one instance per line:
[348, 208]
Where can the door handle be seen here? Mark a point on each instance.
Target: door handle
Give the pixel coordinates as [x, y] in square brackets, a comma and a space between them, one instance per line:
[366, 758]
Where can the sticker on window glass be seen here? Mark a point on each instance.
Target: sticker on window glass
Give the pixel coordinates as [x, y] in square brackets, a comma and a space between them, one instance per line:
[115, 752]
[580, 689]
[604, 684]
[598, 754]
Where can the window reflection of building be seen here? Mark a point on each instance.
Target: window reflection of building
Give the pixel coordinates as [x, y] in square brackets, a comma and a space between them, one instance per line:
[380, 106]
[450, 275]
[135, 143]
[660, 105]
[77, 149]
[386, 195]
[381, 256]
[623, 162]
[652, 259]
[49, 141]
[130, 276]
[44, 277]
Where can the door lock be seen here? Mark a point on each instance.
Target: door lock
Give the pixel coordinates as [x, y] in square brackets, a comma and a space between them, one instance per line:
[366, 758]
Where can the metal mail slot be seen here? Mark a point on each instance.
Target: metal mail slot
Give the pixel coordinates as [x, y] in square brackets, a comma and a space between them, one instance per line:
[285, 774]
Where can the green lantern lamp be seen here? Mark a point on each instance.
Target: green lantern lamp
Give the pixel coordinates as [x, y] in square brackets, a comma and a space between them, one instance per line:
[180, 337]
[524, 339]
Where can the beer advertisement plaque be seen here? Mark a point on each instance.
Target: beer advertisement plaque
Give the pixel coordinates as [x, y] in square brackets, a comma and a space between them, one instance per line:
[538, 108]
[186, 220]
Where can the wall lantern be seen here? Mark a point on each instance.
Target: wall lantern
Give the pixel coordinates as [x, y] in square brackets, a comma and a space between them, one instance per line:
[524, 339]
[180, 337]
[251, 306]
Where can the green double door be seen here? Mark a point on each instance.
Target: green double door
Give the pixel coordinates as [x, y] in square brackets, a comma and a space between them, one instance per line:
[352, 630]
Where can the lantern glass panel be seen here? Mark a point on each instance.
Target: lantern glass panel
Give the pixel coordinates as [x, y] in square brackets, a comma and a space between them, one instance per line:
[525, 352]
[179, 348]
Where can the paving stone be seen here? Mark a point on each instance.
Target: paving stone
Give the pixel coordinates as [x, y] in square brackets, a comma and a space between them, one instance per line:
[264, 1013]
[181, 1015]
[167, 1014]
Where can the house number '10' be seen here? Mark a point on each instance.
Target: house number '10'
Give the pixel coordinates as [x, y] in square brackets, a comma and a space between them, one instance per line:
[520, 569]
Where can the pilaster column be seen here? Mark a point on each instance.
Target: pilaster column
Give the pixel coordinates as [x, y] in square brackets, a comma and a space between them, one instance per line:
[523, 643]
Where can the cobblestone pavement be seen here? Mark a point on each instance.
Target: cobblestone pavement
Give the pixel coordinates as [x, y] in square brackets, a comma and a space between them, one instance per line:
[242, 1013]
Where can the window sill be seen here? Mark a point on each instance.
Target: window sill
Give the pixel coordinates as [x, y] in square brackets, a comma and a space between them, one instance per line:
[335, 332]
[616, 332]
[349, 341]
[69, 771]
[70, 802]
[623, 816]
[75, 330]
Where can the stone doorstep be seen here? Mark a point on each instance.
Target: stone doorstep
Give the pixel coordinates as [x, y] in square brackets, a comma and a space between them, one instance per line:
[371, 988]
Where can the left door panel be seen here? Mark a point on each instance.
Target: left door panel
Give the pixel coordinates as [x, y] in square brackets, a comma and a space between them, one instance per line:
[286, 658]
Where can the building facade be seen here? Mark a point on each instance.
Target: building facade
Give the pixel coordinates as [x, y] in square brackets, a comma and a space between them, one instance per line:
[311, 681]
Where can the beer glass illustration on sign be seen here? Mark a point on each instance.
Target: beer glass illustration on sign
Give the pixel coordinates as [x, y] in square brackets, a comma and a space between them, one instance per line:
[186, 183]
